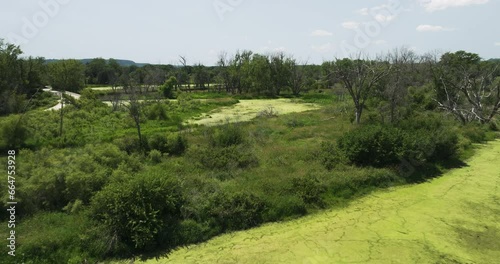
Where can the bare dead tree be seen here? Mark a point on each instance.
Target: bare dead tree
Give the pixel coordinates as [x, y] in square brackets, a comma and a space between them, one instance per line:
[359, 77]
[134, 109]
[403, 62]
[467, 87]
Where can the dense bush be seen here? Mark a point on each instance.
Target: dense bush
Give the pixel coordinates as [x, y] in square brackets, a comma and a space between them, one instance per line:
[309, 189]
[330, 155]
[156, 111]
[283, 207]
[141, 209]
[235, 210]
[173, 144]
[60, 179]
[226, 135]
[377, 146]
[227, 158]
[383, 145]
[54, 238]
[13, 133]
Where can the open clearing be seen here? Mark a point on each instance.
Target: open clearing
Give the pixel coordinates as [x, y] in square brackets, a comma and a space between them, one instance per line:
[451, 219]
[246, 110]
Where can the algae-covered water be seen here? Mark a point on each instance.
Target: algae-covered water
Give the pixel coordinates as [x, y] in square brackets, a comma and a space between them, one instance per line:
[451, 219]
[246, 110]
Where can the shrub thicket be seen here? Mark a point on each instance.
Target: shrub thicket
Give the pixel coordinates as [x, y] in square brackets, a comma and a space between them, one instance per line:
[141, 209]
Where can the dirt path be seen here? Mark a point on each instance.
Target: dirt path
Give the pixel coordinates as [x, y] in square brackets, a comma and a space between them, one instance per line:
[452, 219]
[59, 105]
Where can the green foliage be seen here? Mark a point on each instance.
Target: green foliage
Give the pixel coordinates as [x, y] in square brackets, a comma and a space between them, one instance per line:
[167, 89]
[57, 179]
[235, 210]
[156, 111]
[155, 156]
[67, 75]
[351, 183]
[381, 146]
[224, 158]
[173, 144]
[377, 146]
[310, 189]
[191, 232]
[226, 135]
[283, 207]
[54, 238]
[13, 132]
[140, 209]
[330, 155]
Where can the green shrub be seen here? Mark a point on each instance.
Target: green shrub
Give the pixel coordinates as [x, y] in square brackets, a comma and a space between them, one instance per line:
[446, 145]
[173, 144]
[474, 132]
[158, 142]
[130, 144]
[141, 209]
[376, 146]
[227, 158]
[53, 238]
[235, 210]
[155, 156]
[191, 232]
[156, 111]
[330, 155]
[177, 144]
[283, 207]
[309, 189]
[226, 135]
[13, 133]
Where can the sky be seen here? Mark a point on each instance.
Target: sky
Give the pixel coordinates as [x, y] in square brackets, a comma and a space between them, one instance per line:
[313, 31]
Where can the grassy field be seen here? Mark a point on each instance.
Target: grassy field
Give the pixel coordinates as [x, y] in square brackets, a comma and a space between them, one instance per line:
[452, 219]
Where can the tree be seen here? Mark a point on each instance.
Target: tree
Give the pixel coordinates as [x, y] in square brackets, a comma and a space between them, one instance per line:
[201, 76]
[96, 71]
[168, 87]
[223, 77]
[67, 75]
[467, 87]
[297, 80]
[134, 107]
[359, 77]
[280, 71]
[402, 75]
[11, 99]
[260, 74]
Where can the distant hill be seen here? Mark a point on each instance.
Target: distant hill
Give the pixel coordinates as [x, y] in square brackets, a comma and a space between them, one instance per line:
[125, 63]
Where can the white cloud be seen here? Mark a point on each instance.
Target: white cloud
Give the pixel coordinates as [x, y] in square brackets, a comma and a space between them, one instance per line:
[436, 5]
[321, 33]
[328, 47]
[350, 25]
[382, 18]
[431, 28]
[497, 43]
[363, 11]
